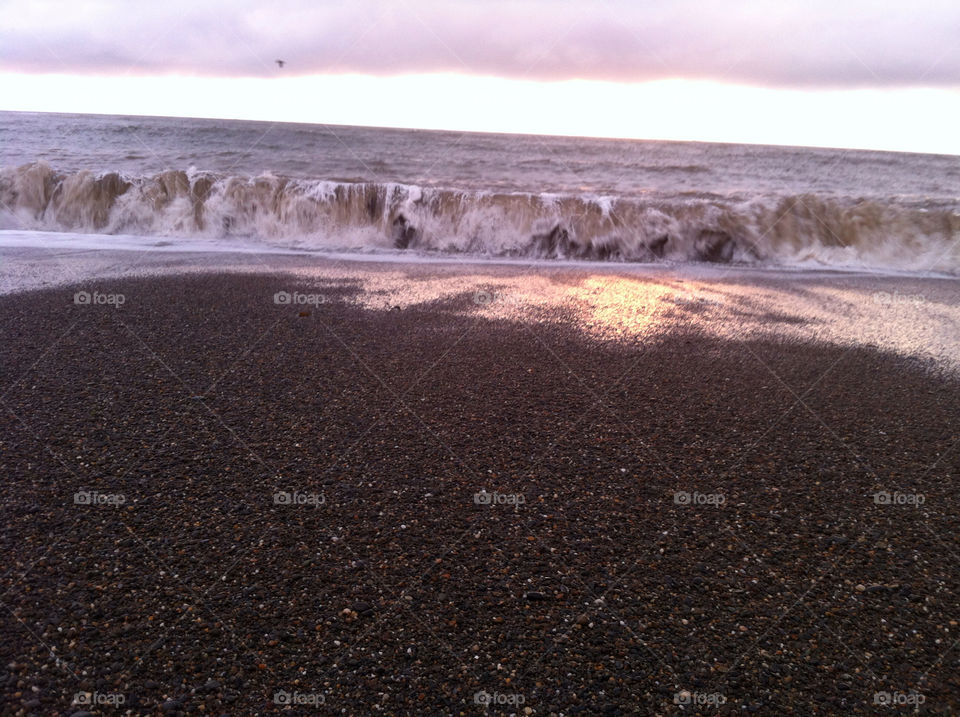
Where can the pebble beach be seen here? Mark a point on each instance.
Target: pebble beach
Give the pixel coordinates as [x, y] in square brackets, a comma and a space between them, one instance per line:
[324, 487]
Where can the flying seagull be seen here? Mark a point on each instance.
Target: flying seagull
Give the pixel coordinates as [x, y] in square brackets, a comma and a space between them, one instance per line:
[280, 63]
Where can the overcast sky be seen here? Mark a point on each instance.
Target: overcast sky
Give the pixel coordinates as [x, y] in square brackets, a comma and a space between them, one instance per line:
[783, 46]
[819, 43]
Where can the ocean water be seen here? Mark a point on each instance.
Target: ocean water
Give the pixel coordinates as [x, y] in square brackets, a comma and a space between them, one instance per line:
[427, 194]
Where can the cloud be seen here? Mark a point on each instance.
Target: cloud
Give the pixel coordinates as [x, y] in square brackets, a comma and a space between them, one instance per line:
[814, 43]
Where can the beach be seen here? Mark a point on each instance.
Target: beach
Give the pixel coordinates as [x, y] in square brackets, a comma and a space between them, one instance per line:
[532, 359]
[253, 483]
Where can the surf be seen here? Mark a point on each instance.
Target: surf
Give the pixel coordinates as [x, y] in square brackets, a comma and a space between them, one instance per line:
[797, 230]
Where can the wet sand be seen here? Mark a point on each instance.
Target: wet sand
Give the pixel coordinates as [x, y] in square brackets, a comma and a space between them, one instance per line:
[572, 491]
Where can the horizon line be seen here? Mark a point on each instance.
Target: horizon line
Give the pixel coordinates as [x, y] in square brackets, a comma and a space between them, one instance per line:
[486, 132]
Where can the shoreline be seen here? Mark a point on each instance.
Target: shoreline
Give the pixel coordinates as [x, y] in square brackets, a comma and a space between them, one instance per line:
[698, 477]
[911, 315]
[16, 243]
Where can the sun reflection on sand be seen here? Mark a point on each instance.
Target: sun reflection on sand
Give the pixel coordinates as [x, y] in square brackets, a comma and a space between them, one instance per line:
[632, 304]
[912, 316]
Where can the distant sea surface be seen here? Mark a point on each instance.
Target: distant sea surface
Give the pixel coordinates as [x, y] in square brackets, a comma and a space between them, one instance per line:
[335, 188]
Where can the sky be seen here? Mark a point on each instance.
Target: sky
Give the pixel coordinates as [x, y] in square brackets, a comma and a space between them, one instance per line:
[877, 74]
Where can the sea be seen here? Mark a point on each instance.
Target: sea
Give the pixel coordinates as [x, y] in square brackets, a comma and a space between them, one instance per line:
[273, 186]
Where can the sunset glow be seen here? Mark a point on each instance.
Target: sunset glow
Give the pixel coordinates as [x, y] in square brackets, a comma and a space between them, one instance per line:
[912, 119]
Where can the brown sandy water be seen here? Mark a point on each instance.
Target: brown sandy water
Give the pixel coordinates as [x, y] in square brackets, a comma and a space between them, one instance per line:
[322, 188]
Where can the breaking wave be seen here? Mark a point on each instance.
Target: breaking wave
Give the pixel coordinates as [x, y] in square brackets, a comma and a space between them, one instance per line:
[802, 230]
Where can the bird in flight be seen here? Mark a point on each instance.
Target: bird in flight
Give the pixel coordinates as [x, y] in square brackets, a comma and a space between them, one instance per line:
[280, 63]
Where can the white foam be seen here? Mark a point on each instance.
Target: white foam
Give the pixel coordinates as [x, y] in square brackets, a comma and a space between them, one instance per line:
[323, 216]
[58, 242]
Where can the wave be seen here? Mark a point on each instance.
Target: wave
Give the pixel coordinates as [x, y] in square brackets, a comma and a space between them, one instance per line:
[801, 230]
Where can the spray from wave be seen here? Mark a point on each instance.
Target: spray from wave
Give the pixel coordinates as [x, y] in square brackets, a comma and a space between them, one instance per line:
[800, 230]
